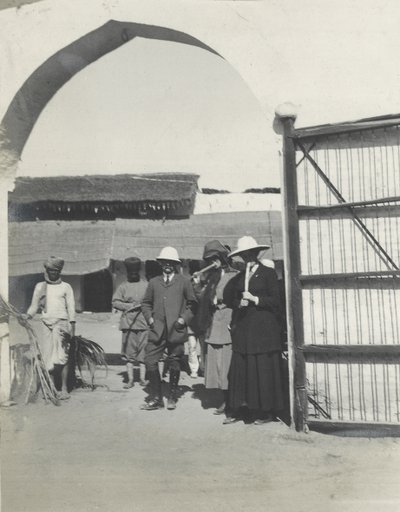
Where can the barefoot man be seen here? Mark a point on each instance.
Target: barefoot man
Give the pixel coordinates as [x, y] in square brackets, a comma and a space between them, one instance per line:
[55, 300]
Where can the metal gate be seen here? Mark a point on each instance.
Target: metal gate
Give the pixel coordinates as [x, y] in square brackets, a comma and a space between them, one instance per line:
[342, 237]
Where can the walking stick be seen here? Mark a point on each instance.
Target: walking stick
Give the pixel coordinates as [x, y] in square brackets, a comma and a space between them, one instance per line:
[245, 302]
[215, 264]
[247, 277]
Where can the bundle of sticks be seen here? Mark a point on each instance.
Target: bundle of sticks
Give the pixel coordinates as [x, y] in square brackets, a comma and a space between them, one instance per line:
[39, 373]
[85, 353]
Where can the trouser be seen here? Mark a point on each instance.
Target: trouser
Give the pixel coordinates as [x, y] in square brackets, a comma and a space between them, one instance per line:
[203, 350]
[193, 357]
[154, 352]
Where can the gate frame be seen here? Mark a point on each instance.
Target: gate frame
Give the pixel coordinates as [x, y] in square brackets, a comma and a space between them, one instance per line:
[298, 351]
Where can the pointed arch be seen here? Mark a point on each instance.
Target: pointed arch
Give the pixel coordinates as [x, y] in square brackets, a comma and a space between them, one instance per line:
[48, 78]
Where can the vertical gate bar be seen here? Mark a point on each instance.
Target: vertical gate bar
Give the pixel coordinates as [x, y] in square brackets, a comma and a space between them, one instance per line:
[298, 399]
[388, 408]
[375, 380]
[391, 296]
[363, 393]
[396, 377]
[373, 392]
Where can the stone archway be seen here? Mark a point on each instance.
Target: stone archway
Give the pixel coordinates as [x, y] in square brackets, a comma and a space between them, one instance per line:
[24, 110]
[48, 78]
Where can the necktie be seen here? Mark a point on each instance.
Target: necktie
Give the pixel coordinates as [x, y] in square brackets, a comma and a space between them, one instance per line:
[167, 279]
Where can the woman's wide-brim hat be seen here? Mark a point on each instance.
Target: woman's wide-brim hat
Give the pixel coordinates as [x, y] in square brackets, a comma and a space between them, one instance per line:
[54, 263]
[247, 243]
[215, 248]
[169, 253]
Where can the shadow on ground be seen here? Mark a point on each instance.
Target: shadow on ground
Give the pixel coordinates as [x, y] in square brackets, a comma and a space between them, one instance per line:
[209, 398]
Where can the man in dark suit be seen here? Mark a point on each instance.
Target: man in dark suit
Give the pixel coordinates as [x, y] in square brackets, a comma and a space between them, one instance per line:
[168, 306]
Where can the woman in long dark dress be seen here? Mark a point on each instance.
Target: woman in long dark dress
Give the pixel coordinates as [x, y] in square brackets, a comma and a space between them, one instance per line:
[255, 387]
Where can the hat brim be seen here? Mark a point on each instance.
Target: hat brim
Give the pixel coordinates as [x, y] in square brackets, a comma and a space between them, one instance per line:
[240, 251]
[169, 259]
[212, 254]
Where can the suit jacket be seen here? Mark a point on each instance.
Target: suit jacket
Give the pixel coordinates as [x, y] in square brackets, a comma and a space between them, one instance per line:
[165, 303]
[255, 329]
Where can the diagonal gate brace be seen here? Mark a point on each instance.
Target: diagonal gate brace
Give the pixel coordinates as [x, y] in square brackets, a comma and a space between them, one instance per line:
[385, 257]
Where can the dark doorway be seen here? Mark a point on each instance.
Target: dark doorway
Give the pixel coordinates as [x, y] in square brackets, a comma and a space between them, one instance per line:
[97, 291]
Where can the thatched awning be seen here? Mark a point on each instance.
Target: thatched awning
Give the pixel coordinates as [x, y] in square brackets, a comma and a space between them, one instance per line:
[65, 197]
[88, 246]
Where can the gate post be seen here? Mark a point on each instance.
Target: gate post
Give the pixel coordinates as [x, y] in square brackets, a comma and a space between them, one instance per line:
[294, 303]
[8, 164]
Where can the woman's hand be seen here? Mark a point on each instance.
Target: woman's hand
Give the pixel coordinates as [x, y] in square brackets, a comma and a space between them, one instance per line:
[243, 303]
[250, 297]
[196, 278]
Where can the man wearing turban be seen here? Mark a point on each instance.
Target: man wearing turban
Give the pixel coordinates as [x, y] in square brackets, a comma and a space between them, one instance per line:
[55, 300]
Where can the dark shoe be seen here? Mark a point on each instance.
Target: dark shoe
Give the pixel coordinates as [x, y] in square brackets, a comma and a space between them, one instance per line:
[155, 389]
[173, 388]
[261, 417]
[230, 420]
[152, 405]
[261, 421]
[220, 410]
[171, 404]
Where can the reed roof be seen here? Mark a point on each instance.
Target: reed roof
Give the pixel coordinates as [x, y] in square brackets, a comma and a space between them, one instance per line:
[105, 188]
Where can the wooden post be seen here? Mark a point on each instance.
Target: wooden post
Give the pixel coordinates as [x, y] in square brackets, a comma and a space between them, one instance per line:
[294, 303]
[8, 161]
[5, 356]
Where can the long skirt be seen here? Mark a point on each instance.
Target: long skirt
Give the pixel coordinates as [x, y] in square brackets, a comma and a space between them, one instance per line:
[255, 382]
[218, 361]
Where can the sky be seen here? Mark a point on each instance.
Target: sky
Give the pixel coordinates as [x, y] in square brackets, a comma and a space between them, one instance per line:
[154, 106]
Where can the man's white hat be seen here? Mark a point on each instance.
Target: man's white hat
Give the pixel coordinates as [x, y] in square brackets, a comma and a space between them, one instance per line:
[247, 243]
[169, 253]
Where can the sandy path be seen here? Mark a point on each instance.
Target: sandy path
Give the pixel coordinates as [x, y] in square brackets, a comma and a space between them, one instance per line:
[99, 452]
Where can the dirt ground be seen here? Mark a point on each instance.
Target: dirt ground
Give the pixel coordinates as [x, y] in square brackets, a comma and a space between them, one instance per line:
[99, 452]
